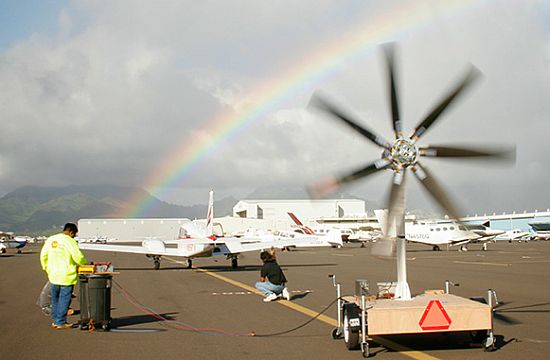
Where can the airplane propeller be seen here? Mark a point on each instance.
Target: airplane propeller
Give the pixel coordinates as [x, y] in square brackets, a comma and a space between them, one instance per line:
[404, 153]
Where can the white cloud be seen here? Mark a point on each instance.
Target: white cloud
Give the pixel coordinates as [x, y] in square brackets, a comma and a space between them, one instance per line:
[121, 86]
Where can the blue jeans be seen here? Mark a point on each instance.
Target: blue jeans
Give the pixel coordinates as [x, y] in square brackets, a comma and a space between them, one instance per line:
[268, 288]
[61, 299]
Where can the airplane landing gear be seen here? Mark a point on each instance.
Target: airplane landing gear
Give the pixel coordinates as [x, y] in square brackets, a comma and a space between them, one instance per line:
[156, 260]
[234, 262]
[189, 263]
[436, 248]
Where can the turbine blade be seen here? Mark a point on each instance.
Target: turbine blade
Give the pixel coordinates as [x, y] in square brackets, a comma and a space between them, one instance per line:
[320, 102]
[324, 187]
[435, 190]
[396, 204]
[389, 50]
[428, 121]
[503, 153]
[394, 225]
[383, 247]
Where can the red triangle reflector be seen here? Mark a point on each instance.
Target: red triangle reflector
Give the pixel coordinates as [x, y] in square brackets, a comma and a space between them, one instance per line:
[435, 317]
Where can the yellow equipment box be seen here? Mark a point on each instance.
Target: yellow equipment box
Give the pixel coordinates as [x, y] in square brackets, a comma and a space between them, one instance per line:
[86, 269]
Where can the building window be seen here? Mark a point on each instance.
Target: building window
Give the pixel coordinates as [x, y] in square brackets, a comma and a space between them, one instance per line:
[260, 212]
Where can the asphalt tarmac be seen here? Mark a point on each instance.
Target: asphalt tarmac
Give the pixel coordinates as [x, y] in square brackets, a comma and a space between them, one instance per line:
[212, 312]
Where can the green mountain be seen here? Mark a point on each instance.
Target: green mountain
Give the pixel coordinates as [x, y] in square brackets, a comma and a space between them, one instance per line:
[43, 210]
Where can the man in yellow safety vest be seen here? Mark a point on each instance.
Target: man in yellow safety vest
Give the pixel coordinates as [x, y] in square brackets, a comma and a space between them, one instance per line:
[59, 258]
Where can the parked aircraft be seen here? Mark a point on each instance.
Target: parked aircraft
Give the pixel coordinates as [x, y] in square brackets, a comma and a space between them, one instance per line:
[440, 232]
[344, 233]
[541, 230]
[514, 234]
[198, 240]
[8, 240]
[365, 236]
[332, 238]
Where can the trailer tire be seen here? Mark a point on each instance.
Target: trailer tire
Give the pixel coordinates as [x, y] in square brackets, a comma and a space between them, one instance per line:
[489, 343]
[365, 350]
[351, 334]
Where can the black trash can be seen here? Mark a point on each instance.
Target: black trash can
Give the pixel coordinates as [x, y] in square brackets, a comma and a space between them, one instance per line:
[95, 301]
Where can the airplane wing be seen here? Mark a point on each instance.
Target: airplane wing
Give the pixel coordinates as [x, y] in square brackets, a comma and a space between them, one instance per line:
[190, 248]
[144, 249]
[460, 241]
[236, 245]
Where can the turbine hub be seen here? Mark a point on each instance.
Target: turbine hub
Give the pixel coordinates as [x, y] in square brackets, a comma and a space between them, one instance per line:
[404, 152]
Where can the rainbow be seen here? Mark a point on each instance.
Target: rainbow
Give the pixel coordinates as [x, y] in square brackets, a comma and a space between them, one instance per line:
[185, 159]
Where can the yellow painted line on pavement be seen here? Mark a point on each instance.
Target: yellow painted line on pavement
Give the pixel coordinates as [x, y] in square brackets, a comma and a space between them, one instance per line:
[326, 319]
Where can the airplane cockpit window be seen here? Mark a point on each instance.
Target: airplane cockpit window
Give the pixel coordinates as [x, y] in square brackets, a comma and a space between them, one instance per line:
[462, 228]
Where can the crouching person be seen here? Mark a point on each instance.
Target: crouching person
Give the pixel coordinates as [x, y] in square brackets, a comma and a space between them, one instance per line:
[272, 279]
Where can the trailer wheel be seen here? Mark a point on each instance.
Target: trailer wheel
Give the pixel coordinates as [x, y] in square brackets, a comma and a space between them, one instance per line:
[351, 337]
[336, 334]
[489, 343]
[365, 350]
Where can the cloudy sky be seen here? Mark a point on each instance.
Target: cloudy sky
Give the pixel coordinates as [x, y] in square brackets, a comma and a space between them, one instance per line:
[109, 92]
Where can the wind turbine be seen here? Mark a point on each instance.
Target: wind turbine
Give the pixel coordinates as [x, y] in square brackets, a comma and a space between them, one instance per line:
[401, 155]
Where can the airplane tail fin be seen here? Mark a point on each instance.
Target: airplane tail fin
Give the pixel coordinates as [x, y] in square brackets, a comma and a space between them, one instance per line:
[306, 229]
[210, 214]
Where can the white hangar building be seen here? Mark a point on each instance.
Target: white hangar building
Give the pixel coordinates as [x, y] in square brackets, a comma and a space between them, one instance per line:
[305, 210]
[130, 229]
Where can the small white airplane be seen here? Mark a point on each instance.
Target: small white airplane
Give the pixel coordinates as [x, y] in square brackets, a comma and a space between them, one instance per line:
[197, 240]
[365, 236]
[440, 232]
[332, 238]
[9, 240]
[540, 230]
[513, 235]
[321, 230]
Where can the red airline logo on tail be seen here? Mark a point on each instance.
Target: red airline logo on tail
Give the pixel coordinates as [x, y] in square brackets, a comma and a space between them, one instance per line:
[306, 229]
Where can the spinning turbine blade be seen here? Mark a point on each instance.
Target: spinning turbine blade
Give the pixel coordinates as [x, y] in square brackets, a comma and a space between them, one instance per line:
[389, 52]
[394, 225]
[450, 151]
[396, 203]
[435, 190]
[327, 186]
[425, 124]
[323, 104]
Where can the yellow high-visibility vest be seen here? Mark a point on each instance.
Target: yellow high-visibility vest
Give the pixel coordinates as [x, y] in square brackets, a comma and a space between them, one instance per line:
[59, 258]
